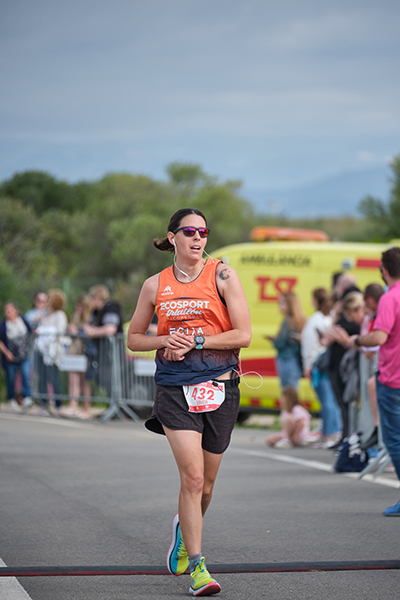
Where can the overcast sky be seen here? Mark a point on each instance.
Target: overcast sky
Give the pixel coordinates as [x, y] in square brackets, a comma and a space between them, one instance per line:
[277, 94]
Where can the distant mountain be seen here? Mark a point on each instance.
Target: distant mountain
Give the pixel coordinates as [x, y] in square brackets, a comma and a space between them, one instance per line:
[332, 196]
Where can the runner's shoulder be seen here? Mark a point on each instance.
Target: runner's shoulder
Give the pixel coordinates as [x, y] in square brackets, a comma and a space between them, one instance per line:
[225, 272]
[150, 286]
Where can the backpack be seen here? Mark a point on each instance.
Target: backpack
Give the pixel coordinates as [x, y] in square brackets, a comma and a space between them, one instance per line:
[350, 457]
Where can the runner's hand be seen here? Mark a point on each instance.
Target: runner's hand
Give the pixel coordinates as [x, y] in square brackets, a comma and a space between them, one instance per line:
[176, 355]
[177, 341]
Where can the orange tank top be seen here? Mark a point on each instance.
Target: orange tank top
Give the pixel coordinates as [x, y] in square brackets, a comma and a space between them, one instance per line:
[192, 308]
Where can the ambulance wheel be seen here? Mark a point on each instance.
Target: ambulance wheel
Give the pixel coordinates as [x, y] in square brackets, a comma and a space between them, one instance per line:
[242, 416]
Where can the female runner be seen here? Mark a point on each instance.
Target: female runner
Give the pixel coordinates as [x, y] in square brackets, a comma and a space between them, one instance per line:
[203, 321]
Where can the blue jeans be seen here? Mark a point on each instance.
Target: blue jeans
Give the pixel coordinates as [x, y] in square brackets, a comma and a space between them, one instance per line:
[289, 371]
[389, 414]
[48, 374]
[330, 412]
[11, 373]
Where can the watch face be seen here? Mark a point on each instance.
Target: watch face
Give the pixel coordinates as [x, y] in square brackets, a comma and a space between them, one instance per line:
[199, 339]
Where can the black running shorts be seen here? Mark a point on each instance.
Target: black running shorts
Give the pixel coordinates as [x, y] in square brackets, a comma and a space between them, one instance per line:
[171, 410]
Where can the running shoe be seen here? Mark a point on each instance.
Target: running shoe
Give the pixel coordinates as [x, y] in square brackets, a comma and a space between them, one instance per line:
[202, 582]
[392, 511]
[177, 557]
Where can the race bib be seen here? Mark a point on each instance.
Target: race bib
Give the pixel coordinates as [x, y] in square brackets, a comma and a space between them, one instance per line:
[204, 397]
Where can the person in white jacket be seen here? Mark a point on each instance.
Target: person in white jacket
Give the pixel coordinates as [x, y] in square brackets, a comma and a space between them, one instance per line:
[311, 350]
[49, 345]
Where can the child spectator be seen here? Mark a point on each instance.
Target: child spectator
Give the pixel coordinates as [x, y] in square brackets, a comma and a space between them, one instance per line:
[295, 421]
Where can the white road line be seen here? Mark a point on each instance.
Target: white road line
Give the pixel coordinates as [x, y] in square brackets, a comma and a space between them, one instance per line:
[11, 589]
[314, 464]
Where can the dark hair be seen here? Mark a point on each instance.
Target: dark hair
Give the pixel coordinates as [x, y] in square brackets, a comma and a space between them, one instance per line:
[163, 243]
[324, 303]
[391, 262]
[335, 277]
[374, 291]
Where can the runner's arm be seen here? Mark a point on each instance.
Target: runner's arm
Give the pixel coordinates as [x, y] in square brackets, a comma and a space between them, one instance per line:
[137, 338]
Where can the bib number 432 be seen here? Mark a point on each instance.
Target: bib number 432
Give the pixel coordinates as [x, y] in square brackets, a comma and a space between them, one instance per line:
[204, 397]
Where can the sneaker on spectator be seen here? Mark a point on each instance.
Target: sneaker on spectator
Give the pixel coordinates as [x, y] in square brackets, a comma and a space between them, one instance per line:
[284, 443]
[83, 414]
[13, 404]
[329, 441]
[177, 557]
[67, 411]
[27, 402]
[202, 582]
[54, 411]
[39, 411]
[392, 511]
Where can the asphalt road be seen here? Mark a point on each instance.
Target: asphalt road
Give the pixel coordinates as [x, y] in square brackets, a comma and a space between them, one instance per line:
[74, 493]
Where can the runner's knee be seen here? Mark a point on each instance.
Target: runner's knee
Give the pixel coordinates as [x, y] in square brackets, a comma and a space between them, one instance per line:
[193, 482]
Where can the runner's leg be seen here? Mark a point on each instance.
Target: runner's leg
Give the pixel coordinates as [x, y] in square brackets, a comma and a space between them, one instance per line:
[188, 453]
[211, 466]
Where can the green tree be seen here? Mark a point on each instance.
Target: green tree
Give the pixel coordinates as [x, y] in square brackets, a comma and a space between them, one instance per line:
[9, 288]
[121, 208]
[42, 192]
[384, 218]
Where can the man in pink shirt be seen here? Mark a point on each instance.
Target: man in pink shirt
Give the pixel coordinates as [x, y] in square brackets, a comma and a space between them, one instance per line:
[386, 334]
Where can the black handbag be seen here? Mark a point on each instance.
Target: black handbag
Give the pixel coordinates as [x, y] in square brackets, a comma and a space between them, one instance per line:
[324, 360]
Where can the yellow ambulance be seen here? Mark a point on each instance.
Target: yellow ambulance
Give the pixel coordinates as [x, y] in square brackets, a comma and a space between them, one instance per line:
[291, 260]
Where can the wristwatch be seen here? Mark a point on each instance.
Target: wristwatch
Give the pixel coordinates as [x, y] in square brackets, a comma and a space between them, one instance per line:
[199, 341]
[357, 341]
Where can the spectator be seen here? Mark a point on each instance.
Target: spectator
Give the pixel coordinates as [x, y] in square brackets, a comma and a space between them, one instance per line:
[311, 349]
[287, 342]
[295, 421]
[78, 384]
[106, 314]
[106, 321]
[15, 336]
[372, 294]
[345, 284]
[337, 351]
[38, 311]
[53, 326]
[386, 335]
[349, 369]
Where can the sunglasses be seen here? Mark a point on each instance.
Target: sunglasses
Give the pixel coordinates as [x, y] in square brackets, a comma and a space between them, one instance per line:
[190, 231]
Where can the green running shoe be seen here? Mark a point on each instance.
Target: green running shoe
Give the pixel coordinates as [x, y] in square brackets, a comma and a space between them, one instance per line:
[177, 557]
[202, 582]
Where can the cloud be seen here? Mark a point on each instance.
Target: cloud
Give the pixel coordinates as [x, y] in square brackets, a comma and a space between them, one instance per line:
[281, 90]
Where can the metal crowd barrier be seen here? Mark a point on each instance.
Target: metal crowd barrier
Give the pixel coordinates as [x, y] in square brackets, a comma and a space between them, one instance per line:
[119, 378]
